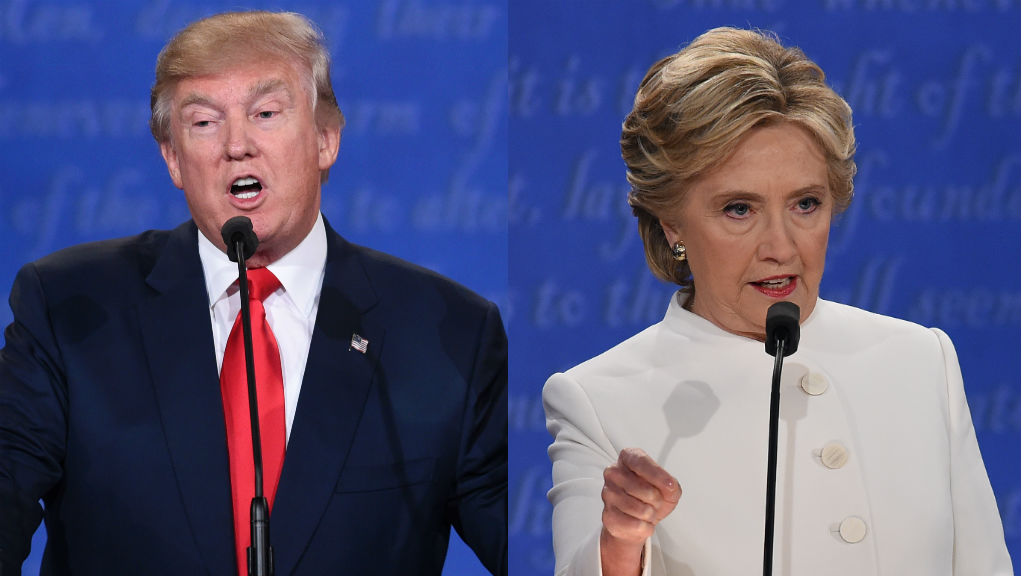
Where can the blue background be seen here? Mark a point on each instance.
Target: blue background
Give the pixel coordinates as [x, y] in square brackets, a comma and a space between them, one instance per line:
[423, 163]
[933, 234]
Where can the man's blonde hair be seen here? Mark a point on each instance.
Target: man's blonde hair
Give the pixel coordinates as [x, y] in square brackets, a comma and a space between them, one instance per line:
[218, 43]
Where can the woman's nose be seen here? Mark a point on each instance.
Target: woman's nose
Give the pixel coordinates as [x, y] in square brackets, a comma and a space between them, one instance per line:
[777, 241]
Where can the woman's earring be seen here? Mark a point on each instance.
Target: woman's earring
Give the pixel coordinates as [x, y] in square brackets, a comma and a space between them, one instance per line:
[679, 252]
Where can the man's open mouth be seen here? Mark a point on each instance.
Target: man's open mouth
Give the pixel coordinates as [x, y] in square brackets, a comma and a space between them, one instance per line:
[246, 188]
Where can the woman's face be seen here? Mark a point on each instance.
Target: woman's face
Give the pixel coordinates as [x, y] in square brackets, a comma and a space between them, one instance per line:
[756, 229]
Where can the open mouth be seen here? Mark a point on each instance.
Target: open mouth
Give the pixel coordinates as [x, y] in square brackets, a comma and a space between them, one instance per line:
[776, 287]
[246, 188]
[776, 283]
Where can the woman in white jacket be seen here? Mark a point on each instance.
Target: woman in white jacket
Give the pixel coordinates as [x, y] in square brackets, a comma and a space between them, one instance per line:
[739, 156]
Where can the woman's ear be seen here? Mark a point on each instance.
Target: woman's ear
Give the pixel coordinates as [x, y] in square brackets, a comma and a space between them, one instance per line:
[672, 232]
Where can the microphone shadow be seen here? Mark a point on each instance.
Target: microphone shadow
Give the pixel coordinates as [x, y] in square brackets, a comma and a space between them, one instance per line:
[688, 409]
[793, 408]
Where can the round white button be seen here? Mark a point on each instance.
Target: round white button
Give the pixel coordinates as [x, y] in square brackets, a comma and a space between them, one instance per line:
[834, 455]
[814, 384]
[853, 529]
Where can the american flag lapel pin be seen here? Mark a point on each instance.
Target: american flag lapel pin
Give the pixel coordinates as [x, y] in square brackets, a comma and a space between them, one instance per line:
[359, 343]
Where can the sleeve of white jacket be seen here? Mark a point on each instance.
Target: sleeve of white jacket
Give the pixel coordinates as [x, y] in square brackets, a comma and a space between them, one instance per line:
[579, 454]
[979, 545]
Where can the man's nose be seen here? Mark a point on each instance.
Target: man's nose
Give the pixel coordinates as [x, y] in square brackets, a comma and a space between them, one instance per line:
[238, 142]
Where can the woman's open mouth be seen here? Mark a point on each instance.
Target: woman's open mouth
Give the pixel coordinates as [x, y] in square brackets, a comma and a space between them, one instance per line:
[778, 287]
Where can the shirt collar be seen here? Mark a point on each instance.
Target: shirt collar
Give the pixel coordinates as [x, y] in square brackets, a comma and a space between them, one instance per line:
[300, 271]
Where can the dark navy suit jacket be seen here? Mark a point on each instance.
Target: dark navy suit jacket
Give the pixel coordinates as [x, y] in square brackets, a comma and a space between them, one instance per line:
[110, 411]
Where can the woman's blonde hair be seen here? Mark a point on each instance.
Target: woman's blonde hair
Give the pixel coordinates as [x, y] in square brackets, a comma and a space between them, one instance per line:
[692, 109]
[217, 43]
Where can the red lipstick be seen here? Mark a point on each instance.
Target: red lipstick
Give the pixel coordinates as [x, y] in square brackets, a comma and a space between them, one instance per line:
[776, 286]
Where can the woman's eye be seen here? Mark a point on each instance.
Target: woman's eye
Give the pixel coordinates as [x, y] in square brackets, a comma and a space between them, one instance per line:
[737, 209]
[808, 204]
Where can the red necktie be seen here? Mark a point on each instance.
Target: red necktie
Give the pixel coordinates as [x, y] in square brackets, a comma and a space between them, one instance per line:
[270, 400]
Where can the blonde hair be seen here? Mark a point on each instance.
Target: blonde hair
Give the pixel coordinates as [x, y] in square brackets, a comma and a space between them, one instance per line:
[221, 41]
[694, 106]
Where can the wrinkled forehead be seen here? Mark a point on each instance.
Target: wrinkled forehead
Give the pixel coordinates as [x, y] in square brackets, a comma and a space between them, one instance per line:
[253, 76]
[234, 58]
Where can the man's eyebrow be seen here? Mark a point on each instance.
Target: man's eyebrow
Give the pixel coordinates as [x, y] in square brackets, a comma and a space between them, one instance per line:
[196, 99]
[264, 87]
[257, 90]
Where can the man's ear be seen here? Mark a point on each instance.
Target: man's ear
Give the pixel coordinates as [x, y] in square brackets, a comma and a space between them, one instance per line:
[171, 159]
[328, 139]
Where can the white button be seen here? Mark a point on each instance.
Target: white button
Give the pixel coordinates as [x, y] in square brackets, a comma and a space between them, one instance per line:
[853, 529]
[834, 455]
[814, 384]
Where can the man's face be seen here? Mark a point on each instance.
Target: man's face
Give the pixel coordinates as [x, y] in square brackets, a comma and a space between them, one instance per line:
[244, 143]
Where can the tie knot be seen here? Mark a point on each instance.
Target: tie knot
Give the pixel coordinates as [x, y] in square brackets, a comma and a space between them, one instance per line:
[262, 283]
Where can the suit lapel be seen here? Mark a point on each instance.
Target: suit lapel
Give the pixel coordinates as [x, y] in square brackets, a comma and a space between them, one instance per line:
[334, 391]
[178, 340]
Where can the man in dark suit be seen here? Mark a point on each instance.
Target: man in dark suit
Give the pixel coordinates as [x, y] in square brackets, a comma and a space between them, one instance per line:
[392, 380]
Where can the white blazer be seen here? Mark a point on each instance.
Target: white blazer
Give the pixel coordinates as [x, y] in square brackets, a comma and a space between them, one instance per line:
[879, 471]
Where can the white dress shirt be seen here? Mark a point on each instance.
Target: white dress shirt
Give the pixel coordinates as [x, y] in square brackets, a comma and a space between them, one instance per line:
[291, 310]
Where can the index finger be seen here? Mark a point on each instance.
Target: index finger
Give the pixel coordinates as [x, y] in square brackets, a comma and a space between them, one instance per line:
[645, 467]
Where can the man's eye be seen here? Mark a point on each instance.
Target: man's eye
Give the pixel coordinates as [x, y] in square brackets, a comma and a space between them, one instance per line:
[202, 123]
[266, 114]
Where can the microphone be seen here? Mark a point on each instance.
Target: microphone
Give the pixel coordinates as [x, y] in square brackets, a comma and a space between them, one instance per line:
[239, 229]
[782, 323]
[241, 243]
[782, 334]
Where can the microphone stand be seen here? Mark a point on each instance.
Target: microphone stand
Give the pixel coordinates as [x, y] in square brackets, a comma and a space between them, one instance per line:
[773, 457]
[782, 336]
[259, 554]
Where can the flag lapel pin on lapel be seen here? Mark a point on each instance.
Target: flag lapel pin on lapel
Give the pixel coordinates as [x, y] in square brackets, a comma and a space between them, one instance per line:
[359, 343]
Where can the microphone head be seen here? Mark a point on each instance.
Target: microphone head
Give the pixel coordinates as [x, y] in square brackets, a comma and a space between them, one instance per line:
[239, 229]
[782, 322]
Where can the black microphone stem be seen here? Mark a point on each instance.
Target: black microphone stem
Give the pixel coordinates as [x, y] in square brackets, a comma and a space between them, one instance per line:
[259, 555]
[250, 372]
[773, 457]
